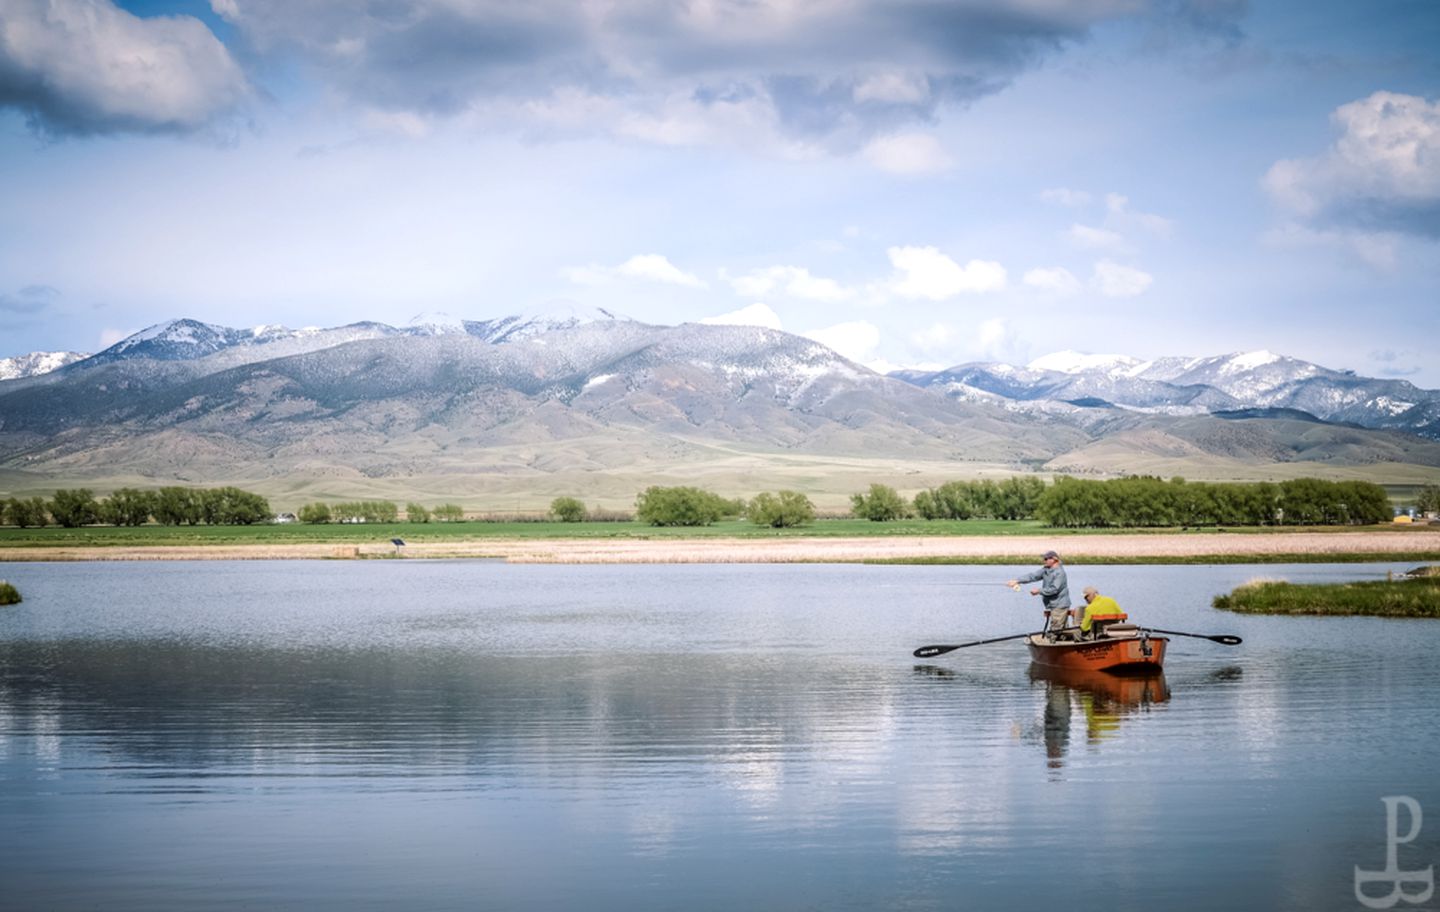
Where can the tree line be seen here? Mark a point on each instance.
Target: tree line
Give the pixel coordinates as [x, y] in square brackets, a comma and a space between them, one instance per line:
[169, 506]
[377, 511]
[1143, 501]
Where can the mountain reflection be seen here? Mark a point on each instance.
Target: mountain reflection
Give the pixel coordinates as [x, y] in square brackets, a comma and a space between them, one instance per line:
[1099, 699]
[184, 708]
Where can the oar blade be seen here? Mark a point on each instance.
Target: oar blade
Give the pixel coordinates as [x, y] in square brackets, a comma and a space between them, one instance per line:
[928, 652]
[1227, 639]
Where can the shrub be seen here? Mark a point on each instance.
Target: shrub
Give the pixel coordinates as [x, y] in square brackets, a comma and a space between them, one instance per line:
[682, 506]
[416, 513]
[9, 595]
[567, 509]
[882, 504]
[780, 511]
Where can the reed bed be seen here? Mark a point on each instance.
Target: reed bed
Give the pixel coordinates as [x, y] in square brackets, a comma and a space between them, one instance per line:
[1402, 597]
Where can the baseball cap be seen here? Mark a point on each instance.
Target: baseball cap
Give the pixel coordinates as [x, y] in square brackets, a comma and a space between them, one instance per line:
[1049, 554]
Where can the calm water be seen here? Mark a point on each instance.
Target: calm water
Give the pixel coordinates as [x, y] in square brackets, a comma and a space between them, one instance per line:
[474, 735]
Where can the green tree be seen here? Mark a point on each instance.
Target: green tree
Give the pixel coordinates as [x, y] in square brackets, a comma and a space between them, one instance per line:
[782, 510]
[568, 509]
[881, 504]
[27, 512]
[127, 507]
[175, 506]
[416, 513]
[74, 507]
[1428, 500]
[449, 513]
[314, 513]
[233, 507]
[681, 506]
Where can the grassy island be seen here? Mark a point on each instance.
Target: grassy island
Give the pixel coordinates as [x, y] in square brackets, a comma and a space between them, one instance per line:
[1416, 594]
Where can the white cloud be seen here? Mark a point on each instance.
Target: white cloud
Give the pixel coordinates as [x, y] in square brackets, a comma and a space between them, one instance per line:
[928, 273]
[648, 267]
[856, 340]
[757, 314]
[1382, 172]
[934, 338]
[1092, 238]
[1055, 280]
[87, 66]
[1120, 211]
[893, 87]
[908, 154]
[1061, 196]
[1116, 281]
[793, 281]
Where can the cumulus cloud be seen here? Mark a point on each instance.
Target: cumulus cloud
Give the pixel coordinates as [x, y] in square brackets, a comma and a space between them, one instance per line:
[842, 71]
[856, 340]
[908, 153]
[925, 272]
[791, 281]
[1113, 280]
[89, 67]
[1054, 280]
[756, 314]
[1382, 173]
[648, 267]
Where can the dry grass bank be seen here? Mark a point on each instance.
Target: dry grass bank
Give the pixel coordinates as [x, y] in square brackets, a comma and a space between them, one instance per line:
[1025, 549]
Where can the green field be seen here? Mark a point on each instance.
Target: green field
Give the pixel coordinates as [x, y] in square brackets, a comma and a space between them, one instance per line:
[365, 533]
[1382, 598]
[372, 533]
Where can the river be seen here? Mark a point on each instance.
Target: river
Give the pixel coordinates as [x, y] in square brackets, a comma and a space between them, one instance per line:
[411, 734]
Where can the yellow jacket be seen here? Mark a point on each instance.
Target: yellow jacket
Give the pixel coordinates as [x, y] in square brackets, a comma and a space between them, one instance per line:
[1101, 605]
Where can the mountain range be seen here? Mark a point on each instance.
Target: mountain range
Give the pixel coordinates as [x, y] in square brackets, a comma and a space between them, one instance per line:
[512, 411]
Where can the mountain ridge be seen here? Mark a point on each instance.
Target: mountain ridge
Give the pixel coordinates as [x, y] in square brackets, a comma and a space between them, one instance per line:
[593, 402]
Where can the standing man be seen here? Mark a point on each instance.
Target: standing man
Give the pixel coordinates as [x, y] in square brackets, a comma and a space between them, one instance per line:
[1054, 590]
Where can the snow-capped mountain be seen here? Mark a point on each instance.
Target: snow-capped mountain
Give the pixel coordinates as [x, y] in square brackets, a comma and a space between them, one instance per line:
[588, 395]
[1187, 386]
[552, 317]
[36, 363]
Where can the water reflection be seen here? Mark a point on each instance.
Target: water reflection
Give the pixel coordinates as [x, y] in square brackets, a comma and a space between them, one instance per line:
[1101, 699]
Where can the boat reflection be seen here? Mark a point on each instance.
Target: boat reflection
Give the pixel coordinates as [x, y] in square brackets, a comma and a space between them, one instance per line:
[1103, 698]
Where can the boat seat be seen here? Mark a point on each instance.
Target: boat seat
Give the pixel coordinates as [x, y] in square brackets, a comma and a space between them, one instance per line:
[1120, 630]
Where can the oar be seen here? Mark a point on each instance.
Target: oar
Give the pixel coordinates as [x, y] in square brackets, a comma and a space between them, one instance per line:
[925, 652]
[1225, 639]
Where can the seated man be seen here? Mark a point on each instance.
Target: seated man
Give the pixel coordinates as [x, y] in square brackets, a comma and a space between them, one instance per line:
[1101, 607]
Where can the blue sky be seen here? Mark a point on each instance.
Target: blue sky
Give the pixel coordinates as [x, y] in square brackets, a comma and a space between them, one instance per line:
[915, 182]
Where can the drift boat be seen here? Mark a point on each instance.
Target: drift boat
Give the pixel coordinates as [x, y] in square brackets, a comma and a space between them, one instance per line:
[1118, 647]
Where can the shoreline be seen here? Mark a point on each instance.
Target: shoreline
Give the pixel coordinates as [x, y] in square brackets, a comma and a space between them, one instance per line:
[1147, 548]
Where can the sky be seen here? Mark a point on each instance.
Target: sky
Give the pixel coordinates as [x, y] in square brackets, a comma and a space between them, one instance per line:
[916, 183]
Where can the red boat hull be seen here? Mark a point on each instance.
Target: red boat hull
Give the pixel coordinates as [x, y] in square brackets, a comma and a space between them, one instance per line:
[1104, 654]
